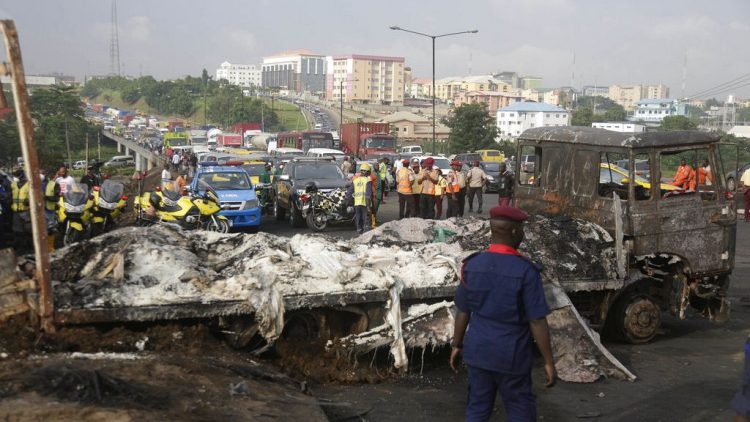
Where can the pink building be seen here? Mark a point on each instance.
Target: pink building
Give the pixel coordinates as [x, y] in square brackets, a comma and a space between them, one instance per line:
[494, 100]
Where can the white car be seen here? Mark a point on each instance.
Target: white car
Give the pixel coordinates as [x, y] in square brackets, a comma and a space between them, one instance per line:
[443, 163]
[337, 155]
[80, 164]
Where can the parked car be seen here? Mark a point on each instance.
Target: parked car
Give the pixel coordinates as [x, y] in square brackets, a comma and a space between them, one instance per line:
[80, 164]
[410, 150]
[492, 169]
[641, 167]
[337, 155]
[466, 157]
[527, 163]
[120, 161]
[733, 177]
[295, 176]
[491, 155]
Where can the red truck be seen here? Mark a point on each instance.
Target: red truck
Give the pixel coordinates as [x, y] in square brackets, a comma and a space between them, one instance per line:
[172, 124]
[362, 139]
[242, 127]
[229, 140]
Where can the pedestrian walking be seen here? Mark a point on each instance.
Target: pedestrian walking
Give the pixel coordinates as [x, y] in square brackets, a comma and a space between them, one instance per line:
[346, 166]
[502, 296]
[476, 180]
[504, 186]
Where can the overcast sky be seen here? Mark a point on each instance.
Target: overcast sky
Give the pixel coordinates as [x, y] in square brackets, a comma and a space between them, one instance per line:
[615, 42]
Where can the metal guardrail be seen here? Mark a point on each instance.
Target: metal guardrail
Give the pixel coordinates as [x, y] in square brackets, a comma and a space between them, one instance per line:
[134, 146]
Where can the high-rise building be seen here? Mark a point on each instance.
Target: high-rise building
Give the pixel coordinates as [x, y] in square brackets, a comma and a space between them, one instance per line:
[529, 82]
[365, 79]
[297, 70]
[245, 75]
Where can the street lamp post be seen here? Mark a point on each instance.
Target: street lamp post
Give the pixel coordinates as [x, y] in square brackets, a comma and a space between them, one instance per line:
[398, 28]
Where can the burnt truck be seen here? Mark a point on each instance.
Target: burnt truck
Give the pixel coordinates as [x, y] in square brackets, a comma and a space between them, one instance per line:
[674, 227]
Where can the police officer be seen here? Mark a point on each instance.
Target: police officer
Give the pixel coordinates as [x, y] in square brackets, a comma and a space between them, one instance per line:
[501, 294]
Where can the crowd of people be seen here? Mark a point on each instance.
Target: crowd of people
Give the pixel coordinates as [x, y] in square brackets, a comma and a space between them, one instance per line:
[422, 189]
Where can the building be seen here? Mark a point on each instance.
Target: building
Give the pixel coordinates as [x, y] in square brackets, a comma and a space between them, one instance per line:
[529, 82]
[42, 80]
[740, 131]
[365, 79]
[510, 78]
[494, 100]
[654, 111]
[420, 88]
[655, 92]
[246, 75]
[628, 95]
[449, 89]
[407, 80]
[592, 90]
[296, 71]
[412, 127]
[627, 127]
[517, 117]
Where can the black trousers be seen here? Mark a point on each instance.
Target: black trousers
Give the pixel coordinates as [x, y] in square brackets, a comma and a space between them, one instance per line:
[452, 206]
[461, 202]
[405, 206]
[427, 206]
[472, 193]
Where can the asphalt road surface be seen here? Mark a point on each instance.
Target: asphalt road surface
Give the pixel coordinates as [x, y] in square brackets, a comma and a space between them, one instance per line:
[687, 373]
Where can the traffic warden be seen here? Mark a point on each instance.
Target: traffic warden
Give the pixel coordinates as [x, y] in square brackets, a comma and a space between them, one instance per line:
[501, 300]
[362, 191]
[20, 208]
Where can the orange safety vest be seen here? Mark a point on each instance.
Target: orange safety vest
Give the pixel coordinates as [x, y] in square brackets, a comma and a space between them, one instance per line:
[452, 186]
[404, 184]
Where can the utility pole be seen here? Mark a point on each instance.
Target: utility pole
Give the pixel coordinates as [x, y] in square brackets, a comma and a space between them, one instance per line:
[87, 148]
[99, 146]
[28, 149]
[67, 143]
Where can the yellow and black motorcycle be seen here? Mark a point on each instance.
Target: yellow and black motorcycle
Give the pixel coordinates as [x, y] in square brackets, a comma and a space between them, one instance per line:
[74, 213]
[109, 202]
[167, 205]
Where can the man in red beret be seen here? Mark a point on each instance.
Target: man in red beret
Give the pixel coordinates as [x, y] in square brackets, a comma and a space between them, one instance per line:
[427, 179]
[501, 294]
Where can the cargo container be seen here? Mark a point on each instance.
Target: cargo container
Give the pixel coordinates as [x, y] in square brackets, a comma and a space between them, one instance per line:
[362, 139]
[241, 128]
[305, 140]
[172, 124]
[229, 140]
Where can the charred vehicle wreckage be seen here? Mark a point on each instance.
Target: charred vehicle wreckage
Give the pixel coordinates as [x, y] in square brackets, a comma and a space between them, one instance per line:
[616, 244]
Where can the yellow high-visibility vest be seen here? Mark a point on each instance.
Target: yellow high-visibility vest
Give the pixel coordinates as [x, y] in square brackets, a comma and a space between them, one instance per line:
[360, 190]
[50, 200]
[404, 184]
[20, 197]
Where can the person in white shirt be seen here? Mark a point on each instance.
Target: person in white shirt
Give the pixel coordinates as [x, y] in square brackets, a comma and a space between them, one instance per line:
[165, 174]
[64, 180]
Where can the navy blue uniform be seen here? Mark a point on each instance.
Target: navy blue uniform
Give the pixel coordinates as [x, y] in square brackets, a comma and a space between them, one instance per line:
[502, 292]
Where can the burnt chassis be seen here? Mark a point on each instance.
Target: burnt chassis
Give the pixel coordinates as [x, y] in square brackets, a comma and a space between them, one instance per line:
[672, 255]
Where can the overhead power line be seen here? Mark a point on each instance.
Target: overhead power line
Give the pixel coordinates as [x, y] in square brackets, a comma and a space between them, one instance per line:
[724, 87]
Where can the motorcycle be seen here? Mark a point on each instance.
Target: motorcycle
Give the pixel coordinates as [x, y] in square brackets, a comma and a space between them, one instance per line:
[109, 203]
[320, 208]
[167, 205]
[74, 213]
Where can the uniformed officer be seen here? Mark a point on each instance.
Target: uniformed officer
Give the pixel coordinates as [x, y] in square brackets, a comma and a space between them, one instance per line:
[361, 190]
[501, 294]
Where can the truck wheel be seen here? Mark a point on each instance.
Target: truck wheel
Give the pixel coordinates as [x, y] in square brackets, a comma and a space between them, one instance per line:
[278, 212]
[295, 217]
[635, 318]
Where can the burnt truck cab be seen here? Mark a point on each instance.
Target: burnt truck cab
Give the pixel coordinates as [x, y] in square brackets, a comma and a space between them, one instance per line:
[662, 197]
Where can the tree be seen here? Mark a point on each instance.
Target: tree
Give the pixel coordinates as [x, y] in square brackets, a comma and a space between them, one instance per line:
[472, 128]
[615, 114]
[130, 94]
[583, 116]
[671, 123]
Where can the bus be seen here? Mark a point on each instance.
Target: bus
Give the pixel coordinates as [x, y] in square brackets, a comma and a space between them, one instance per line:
[172, 140]
[304, 140]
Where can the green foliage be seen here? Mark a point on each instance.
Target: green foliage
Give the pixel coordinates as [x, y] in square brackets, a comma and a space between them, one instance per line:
[10, 147]
[671, 123]
[130, 94]
[472, 128]
[712, 102]
[582, 116]
[743, 115]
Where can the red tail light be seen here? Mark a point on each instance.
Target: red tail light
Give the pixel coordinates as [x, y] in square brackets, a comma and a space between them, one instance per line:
[304, 198]
[124, 198]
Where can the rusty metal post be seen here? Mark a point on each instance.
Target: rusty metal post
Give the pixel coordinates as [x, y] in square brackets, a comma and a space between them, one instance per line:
[3, 100]
[29, 151]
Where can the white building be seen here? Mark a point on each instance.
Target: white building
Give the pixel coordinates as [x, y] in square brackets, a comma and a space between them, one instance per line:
[246, 75]
[517, 117]
[296, 71]
[654, 111]
[627, 127]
